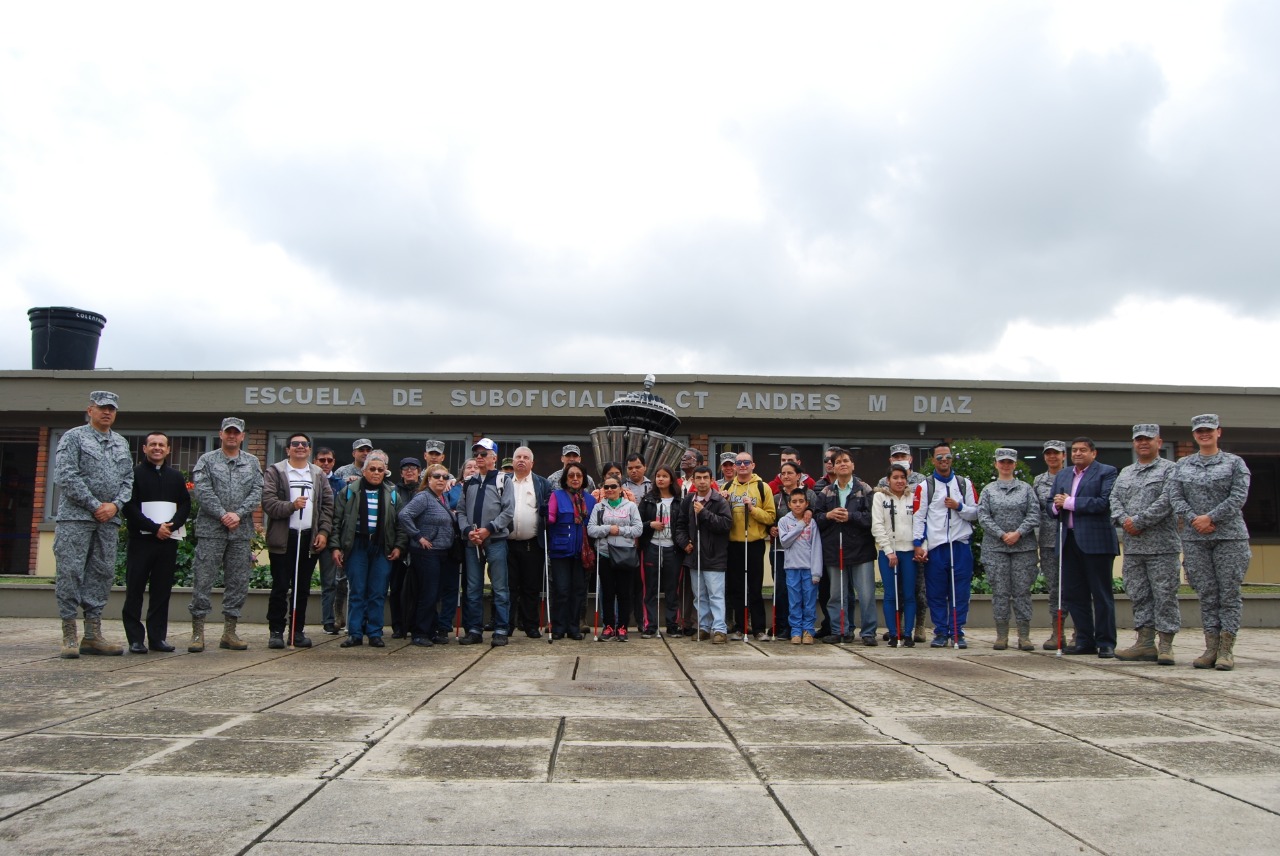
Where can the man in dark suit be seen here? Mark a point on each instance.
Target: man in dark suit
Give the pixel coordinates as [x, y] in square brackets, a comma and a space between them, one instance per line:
[1081, 501]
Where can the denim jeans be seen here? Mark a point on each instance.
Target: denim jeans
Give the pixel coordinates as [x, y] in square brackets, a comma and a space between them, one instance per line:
[802, 597]
[938, 580]
[709, 589]
[859, 587]
[899, 580]
[495, 552]
[367, 571]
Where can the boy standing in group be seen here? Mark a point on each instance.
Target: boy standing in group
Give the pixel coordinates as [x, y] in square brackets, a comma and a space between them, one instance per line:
[798, 534]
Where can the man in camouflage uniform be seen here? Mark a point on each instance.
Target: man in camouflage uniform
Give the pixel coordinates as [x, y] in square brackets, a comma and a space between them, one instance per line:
[93, 470]
[1207, 491]
[1140, 507]
[228, 487]
[1055, 456]
[900, 453]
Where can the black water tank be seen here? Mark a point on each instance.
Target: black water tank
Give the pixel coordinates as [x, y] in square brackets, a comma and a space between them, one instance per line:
[63, 337]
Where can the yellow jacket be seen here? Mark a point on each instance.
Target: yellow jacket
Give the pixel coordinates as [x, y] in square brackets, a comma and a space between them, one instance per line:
[763, 513]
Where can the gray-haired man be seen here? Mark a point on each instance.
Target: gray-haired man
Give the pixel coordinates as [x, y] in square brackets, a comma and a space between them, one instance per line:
[1150, 545]
[228, 487]
[93, 470]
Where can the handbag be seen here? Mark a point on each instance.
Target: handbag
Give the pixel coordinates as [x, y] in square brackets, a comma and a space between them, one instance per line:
[625, 557]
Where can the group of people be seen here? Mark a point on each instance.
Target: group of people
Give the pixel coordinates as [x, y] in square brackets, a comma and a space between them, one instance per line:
[678, 549]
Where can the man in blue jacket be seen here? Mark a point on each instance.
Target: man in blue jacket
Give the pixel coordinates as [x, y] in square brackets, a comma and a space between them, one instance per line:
[1081, 501]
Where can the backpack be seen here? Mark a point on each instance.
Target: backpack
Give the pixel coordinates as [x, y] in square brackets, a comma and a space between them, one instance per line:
[929, 482]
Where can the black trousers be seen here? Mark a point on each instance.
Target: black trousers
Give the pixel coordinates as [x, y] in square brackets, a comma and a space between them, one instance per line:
[150, 561]
[569, 594]
[524, 577]
[654, 579]
[734, 594]
[402, 596]
[282, 579]
[1086, 589]
[616, 584]
[780, 621]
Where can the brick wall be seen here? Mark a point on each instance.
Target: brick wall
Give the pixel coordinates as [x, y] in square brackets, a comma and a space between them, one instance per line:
[37, 501]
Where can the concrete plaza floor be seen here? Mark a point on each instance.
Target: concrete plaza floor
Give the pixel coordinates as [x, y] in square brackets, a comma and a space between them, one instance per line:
[649, 746]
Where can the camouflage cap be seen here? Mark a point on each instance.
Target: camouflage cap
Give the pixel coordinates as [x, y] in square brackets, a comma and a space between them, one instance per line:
[571, 449]
[728, 457]
[899, 449]
[1204, 420]
[1055, 446]
[102, 398]
[361, 443]
[1146, 429]
[1005, 454]
[435, 446]
[233, 422]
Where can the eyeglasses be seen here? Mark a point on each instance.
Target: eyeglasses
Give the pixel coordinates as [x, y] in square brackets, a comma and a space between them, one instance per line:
[375, 469]
[299, 444]
[324, 460]
[942, 457]
[828, 460]
[612, 486]
[480, 453]
[441, 476]
[743, 463]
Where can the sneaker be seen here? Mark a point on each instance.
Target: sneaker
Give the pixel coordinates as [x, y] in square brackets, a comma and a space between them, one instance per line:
[761, 637]
[939, 642]
[471, 639]
[718, 638]
[674, 631]
[807, 639]
[908, 642]
[832, 639]
[960, 643]
[607, 633]
[422, 642]
[277, 639]
[498, 640]
[736, 636]
[621, 634]
[330, 629]
[648, 634]
[869, 641]
[893, 642]
[795, 640]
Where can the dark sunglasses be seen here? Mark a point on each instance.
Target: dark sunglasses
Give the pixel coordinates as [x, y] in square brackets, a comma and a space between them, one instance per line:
[299, 444]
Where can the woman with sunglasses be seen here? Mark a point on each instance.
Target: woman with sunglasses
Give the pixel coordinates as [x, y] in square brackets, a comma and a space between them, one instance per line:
[367, 539]
[613, 468]
[568, 510]
[429, 525]
[615, 524]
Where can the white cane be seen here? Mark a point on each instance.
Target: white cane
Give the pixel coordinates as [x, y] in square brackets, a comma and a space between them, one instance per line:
[297, 562]
[951, 559]
[657, 623]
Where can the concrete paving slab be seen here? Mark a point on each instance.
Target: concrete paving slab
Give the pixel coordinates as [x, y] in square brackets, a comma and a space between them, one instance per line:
[1195, 758]
[1035, 762]
[632, 669]
[454, 763]
[513, 730]
[234, 694]
[50, 753]
[893, 699]
[245, 758]
[284, 848]
[597, 815]
[1262, 791]
[1122, 726]
[1153, 702]
[359, 695]
[342, 727]
[663, 730]
[19, 791]
[843, 729]
[1155, 816]
[20, 717]
[771, 701]
[962, 818]
[551, 706]
[965, 729]
[1251, 723]
[206, 816]
[141, 723]
[842, 764]
[586, 762]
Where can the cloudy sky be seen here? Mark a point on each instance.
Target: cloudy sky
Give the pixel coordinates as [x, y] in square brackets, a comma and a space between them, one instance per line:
[1081, 191]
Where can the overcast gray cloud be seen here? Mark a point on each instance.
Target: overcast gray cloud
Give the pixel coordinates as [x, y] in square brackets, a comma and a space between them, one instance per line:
[946, 195]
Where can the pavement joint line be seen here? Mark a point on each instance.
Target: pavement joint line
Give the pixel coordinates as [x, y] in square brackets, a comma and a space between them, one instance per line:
[178, 744]
[555, 750]
[991, 786]
[843, 701]
[577, 661]
[746, 757]
[1086, 741]
[92, 777]
[299, 693]
[280, 820]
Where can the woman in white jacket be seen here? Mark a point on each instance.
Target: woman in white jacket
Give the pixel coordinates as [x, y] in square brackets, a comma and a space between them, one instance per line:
[891, 527]
[615, 524]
